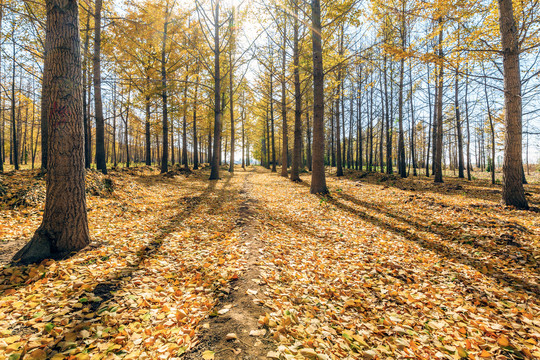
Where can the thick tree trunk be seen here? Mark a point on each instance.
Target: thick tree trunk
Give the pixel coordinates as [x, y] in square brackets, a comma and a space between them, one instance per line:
[64, 229]
[513, 192]
[318, 177]
[101, 161]
[2, 141]
[339, 165]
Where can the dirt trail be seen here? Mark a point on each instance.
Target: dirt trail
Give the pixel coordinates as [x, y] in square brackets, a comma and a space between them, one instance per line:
[241, 319]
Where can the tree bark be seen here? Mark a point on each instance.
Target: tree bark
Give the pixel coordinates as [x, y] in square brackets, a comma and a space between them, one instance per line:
[295, 168]
[165, 154]
[439, 139]
[318, 177]
[513, 193]
[148, 145]
[195, 143]
[285, 130]
[87, 144]
[214, 173]
[101, 162]
[64, 229]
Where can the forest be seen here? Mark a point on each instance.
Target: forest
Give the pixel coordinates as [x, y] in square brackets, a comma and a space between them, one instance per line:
[281, 179]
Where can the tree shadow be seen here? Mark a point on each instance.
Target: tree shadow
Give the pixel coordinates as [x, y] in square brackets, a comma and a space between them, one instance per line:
[479, 189]
[410, 233]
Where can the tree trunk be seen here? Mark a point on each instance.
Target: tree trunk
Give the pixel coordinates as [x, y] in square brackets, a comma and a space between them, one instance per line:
[214, 173]
[401, 140]
[64, 229]
[468, 127]
[184, 131]
[195, 143]
[339, 165]
[295, 168]
[87, 145]
[101, 162]
[461, 166]
[14, 137]
[318, 177]
[513, 192]
[439, 139]
[148, 146]
[165, 154]
[285, 130]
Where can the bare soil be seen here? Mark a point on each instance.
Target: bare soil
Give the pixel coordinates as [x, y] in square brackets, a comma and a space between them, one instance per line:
[242, 318]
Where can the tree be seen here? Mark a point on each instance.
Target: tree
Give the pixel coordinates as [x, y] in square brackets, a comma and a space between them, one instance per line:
[318, 176]
[64, 228]
[101, 162]
[297, 100]
[513, 193]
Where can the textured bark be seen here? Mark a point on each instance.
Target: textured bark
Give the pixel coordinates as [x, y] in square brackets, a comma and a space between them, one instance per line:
[101, 162]
[64, 229]
[318, 177]
[295, 168]
[2, 141]
[513, 192]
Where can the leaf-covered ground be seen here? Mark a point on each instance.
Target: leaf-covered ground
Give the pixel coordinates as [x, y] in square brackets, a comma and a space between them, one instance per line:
[380, 269]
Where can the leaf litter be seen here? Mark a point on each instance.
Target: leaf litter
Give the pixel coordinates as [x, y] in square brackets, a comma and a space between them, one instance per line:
[376, 270]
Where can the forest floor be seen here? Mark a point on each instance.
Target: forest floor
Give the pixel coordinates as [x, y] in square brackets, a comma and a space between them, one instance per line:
[254, 267]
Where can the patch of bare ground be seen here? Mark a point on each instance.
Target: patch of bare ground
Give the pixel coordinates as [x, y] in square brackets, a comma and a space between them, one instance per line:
[233, 331]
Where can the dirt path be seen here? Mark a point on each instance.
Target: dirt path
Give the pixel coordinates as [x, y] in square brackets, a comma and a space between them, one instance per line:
[234, 332]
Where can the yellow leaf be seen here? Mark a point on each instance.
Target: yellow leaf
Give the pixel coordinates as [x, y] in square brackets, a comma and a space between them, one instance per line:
[462, 353]
[208, 355]
[503, 341]
[485, 354]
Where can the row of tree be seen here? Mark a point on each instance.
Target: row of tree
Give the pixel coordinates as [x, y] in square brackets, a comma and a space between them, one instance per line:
[349, 81]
